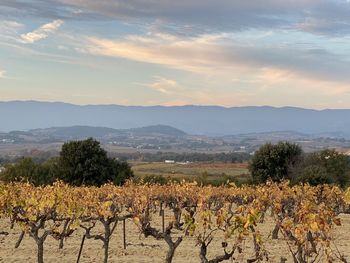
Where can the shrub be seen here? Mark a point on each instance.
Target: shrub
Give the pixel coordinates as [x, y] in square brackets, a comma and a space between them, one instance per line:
[273, 161]
[86, 163]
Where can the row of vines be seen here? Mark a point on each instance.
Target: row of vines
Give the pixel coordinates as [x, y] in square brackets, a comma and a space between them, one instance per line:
[304, 216]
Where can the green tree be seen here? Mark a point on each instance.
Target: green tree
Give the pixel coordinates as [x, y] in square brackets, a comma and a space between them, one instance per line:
[327, 166]
[273, 161]
[121, 171]
[26, 170]
[336, 164]
[314, 174]
[86, 163]
[47, 172]
[23, 170]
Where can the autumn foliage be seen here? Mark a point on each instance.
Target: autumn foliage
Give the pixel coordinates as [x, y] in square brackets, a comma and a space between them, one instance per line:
[304, 216]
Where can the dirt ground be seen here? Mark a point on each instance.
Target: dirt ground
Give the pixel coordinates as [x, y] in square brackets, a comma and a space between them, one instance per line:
[142, 249]
[191, 170]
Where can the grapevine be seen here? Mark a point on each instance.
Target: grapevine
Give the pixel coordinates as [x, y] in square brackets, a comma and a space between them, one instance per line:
[304, 215]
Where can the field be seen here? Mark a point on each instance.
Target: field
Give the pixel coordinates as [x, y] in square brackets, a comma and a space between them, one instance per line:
[139, 248]
[213, 171]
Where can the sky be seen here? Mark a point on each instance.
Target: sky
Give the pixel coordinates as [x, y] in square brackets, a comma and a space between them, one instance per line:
[166, 52]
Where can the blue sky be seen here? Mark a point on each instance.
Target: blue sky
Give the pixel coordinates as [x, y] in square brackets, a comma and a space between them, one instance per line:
[164, 52]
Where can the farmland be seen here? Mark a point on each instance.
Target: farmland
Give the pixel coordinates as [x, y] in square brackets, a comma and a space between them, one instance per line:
[191, 171]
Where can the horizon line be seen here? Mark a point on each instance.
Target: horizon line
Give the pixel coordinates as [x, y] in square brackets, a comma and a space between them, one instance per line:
[172, 106]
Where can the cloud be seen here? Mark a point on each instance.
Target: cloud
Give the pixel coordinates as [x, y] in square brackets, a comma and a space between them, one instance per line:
[41, 33]
[47, 9]
[327, 16]
[163, 85]
[2, 74]
[193, 16]
[9, 30]
[193, 54]
[220, 54]
[10, 25]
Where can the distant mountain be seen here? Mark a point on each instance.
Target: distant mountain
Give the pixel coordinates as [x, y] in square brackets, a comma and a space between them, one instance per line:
[206, 120]
[73, 132]
[155, 130]
[76, 132]
[274, 136]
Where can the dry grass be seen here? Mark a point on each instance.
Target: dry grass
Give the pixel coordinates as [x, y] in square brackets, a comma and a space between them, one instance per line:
[191, 170]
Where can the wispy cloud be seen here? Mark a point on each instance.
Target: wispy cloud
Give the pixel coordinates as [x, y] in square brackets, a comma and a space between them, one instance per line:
[10, 26]
[2, 74]
[41, 33]
[163, 85]
[193, 54]
[327, 16]
[316, 16]
[218, 54]
[9, 30]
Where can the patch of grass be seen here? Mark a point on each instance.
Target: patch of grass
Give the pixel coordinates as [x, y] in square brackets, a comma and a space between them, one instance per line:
[203, 173]
[192, 169]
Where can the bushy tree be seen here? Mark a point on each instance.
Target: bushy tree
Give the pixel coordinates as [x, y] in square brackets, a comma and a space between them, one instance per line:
[86, 163]
[26, 170]
[337, 165]
[314, 174]
[327, 166]
[273, 161]
[121, 171]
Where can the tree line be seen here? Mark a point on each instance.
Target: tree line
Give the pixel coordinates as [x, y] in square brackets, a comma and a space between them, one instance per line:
[287, 161]
[79, 163]
[87, 163]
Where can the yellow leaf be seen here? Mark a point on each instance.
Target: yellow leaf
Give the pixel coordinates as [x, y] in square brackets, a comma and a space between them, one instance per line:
[314, 226]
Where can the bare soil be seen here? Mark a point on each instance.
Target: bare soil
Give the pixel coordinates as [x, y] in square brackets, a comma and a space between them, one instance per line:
[141, 249]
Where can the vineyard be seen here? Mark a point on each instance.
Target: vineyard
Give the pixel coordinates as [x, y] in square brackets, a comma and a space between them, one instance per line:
[215, 224]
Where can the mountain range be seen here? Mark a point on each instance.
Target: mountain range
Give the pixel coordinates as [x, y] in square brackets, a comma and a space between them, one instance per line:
[62, 134]
[200, 120]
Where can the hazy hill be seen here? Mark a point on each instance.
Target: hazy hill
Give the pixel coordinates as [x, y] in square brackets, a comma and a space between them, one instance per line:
[208, 120]
[76, 132]
[73, 132]
[155, 130]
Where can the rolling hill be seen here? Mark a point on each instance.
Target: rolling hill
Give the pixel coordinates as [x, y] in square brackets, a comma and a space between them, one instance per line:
[55, 134]
[202, 120]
